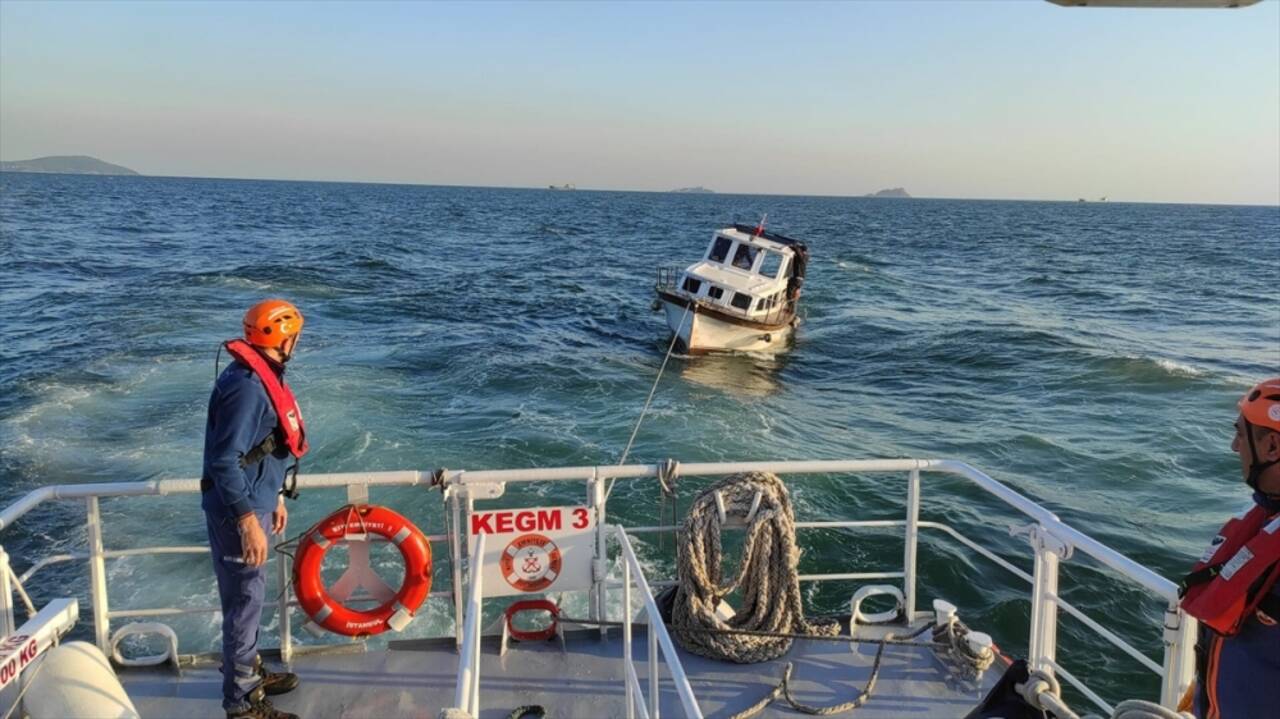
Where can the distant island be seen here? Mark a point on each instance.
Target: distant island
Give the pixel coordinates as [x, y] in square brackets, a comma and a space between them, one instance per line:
[893, 192]
[66, 165]
[699, 190]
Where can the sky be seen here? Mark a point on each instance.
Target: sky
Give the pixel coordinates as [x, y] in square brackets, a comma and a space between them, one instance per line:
[949, 98]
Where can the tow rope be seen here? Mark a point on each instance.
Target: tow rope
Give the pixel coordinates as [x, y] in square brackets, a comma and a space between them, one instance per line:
[649, 400]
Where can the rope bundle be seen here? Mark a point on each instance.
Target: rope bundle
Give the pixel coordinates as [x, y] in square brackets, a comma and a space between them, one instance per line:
[767, 576]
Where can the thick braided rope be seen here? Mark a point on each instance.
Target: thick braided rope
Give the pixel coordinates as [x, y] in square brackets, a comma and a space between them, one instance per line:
[767, 576]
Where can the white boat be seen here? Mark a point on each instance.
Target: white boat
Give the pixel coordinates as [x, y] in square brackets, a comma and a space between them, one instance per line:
[618, 658]
[740, 297]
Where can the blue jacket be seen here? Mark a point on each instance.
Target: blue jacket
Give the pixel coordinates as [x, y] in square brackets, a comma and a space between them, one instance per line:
[240, 417]
[1240, 675]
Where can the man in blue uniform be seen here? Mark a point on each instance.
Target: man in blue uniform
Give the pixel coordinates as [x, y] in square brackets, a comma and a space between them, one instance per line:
[1233, 590]
[246, 451]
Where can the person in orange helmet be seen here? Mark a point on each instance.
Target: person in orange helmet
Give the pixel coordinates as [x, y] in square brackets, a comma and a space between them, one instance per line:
[254, 428]
[1234, 590]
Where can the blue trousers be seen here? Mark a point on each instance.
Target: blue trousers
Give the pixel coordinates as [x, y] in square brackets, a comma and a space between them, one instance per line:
[241, 589]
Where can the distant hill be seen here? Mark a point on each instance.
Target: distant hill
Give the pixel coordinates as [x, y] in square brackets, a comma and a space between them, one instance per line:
[67, 165]
[694, 190]
[894, 192]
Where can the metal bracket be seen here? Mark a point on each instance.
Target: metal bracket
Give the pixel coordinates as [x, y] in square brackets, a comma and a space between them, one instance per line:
[482, 491]
[1041, 539]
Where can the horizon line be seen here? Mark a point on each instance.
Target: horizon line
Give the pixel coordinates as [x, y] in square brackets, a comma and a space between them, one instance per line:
[548, 188]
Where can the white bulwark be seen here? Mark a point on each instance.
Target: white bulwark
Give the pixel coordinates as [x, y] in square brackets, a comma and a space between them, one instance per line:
[534, 550]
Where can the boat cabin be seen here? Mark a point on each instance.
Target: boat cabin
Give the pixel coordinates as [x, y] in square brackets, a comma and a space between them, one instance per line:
[756, 275]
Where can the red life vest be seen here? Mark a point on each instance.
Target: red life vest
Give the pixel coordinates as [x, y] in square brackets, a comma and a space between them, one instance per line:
[1236, 572]
[289, 417]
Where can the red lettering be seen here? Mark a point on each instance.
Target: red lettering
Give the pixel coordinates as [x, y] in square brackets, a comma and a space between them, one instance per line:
[580, 518]
[480, 524]
[526, 521]
[28, 652]
[504, 522]
[549, 520]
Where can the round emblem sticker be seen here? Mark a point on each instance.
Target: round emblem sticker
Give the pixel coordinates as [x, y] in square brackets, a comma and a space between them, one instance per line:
[1274, 412]
[531, 563]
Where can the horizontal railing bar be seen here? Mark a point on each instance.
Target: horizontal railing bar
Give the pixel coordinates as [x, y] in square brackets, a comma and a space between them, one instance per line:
[47, 561]
[163, 487]
[872, 523]
[691, 469]
[850, 575]
[1074, 537]
[979, 549]
[178, 611]
[1101, 703]
[1107, 634]
[160, 612]
[652, 529]
[143, 551]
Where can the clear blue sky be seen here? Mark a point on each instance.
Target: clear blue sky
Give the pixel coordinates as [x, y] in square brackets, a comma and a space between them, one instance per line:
[949, 99]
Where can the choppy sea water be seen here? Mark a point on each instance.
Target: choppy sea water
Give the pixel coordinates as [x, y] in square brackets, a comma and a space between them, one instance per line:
[1089, 355]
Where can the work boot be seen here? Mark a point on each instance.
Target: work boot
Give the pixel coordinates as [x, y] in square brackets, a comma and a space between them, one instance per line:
[260, 708]
[274, 683]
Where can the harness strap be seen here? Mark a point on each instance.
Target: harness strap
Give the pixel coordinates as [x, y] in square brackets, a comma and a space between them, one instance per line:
[1200, 576]
[260, 451]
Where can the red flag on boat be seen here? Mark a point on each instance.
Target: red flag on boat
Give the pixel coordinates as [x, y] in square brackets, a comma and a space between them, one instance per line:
[760, 227]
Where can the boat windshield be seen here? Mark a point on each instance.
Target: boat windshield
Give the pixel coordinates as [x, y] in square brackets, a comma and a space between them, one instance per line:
[771, 264]
[745, 257]
[720, 249]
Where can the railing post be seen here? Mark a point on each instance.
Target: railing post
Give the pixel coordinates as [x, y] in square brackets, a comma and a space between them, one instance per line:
[1043, 642]
[1179, 655]
[599, 567]
[7, 622]
[97, 576]
[285, 618]
[654, 704]
[628, 657]
[912, 540]
[455, 557]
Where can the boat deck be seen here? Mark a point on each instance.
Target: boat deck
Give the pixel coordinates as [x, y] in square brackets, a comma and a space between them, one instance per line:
[417, 678]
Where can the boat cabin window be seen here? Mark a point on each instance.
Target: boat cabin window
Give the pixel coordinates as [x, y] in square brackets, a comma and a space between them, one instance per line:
[741, 301]
[771, 264]
[692, 286]
[714, 292]
[720, 249]
[745, 257]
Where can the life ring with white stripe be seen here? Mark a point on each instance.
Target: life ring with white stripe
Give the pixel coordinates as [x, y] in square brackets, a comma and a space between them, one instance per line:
[362, 520]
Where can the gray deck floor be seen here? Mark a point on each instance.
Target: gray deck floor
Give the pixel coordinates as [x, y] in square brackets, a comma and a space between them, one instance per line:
[416, 678]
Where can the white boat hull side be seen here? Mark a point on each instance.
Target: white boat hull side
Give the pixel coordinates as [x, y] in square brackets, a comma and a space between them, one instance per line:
[700, 332]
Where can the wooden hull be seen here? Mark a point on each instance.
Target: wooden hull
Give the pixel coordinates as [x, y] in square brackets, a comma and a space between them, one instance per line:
[701, 329]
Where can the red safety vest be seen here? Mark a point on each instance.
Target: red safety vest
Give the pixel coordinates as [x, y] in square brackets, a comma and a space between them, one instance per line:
[1236, 572]
[289, 417]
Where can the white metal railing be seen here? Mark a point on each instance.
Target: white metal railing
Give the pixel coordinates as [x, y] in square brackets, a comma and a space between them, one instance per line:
[1052, 541]
[658, 638]
[467, 691]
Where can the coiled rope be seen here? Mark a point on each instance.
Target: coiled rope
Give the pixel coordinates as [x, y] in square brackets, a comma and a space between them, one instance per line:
[767, 576]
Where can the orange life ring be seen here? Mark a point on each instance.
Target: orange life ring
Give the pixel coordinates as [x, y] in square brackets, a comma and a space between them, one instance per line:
[361, 519]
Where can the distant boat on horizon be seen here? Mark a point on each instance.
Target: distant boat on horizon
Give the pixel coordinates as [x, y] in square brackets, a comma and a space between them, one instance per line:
[565, 186]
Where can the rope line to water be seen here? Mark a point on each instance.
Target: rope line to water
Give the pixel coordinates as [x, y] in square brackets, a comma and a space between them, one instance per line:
[649, 400]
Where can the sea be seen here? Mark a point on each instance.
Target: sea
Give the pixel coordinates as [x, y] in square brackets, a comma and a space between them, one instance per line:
[1089, 355]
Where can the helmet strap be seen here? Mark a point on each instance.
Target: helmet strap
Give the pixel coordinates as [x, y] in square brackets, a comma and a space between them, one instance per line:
[1256, 467]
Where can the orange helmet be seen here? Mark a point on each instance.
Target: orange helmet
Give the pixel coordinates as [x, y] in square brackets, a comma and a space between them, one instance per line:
[271, 323]
[1260, 406]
